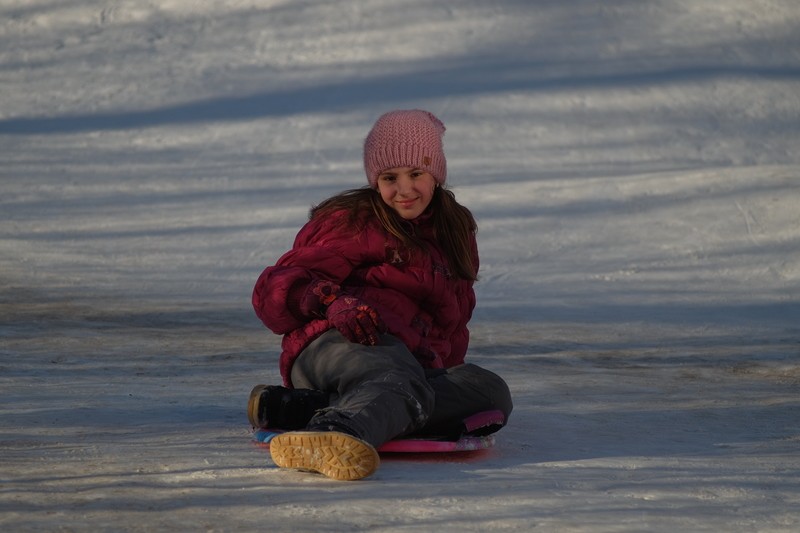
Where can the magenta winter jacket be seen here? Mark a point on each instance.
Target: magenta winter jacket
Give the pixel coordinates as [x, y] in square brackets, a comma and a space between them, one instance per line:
[412, 291]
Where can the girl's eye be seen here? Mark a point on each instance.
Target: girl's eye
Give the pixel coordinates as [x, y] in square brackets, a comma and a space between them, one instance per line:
[387, 177]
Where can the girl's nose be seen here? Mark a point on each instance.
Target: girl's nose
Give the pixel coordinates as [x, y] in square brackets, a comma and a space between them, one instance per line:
[404, 184]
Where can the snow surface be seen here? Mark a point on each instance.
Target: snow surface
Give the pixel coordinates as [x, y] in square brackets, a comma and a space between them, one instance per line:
[634, 169]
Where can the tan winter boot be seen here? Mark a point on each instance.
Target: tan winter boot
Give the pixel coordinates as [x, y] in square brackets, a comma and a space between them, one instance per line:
[337, 455]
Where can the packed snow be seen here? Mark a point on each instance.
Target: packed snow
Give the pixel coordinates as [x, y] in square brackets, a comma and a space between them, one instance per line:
[635, 171]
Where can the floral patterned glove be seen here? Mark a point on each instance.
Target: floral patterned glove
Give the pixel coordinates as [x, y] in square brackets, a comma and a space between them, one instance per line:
[356, 320]
[315, 298]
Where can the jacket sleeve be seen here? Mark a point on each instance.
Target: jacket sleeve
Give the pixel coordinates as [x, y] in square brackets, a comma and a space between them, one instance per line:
[319, 253]
[459, 341]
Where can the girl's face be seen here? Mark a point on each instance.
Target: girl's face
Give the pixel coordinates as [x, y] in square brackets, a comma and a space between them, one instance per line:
[407, 190]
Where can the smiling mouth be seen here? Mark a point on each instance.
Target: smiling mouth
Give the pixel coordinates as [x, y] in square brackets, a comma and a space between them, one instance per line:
[407, 203]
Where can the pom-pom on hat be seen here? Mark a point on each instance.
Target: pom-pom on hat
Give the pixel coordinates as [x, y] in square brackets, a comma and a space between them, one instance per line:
[405, 138]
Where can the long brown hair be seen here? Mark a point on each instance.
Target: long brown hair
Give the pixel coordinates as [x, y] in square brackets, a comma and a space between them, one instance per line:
[454, 226]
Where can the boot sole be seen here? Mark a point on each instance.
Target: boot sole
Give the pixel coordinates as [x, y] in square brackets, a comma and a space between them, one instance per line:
[336, 455]
[252, 405]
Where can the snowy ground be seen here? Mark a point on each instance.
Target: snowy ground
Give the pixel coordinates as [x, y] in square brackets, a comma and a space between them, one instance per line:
[635, 170]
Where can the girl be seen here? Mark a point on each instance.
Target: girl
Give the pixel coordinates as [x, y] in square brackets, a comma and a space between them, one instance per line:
[373, 301]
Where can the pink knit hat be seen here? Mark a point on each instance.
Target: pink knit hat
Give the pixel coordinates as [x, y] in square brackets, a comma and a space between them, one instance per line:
[405, 138]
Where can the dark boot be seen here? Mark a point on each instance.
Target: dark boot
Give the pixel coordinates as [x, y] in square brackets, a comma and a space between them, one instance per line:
[274, 406]
[476, 425]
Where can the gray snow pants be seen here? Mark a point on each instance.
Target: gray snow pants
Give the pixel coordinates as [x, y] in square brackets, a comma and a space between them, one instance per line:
[381, 392]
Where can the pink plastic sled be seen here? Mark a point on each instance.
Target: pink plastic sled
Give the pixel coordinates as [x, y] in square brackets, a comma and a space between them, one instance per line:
[472, 439]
